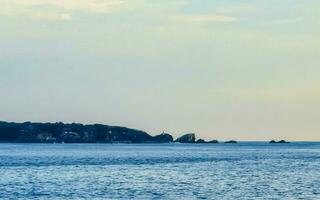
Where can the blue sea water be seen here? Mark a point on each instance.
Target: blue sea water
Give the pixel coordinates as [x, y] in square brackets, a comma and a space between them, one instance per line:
[248, 170]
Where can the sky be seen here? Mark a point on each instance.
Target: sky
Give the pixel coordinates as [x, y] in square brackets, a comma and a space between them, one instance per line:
[224, 69]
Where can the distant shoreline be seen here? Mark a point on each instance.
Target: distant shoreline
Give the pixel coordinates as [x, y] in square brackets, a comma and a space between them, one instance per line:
[34, 132]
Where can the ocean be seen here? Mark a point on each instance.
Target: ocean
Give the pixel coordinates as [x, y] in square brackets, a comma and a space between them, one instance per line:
[247, 170]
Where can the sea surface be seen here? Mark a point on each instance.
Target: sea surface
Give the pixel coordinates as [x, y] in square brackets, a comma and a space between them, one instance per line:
[247, 170]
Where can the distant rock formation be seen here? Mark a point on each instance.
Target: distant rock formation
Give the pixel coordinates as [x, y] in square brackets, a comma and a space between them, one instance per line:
[231, 142]
[278, 142]
[187, 138]
[201, 141]
[163, 138]
[213, 141]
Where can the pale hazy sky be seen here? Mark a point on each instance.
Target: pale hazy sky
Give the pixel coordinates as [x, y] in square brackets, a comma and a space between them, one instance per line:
[225, 69]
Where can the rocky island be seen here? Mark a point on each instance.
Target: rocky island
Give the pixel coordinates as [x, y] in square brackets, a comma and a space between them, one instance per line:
[231, 142]
[187, 138]
[278, 142]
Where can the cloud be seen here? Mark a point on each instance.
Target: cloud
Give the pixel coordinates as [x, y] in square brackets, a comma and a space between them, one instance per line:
[59, 9]
[204, 18]
[287, 21]
[50, 16]
[236, 9]
[272, 94]
[72, 5]
[182, 3]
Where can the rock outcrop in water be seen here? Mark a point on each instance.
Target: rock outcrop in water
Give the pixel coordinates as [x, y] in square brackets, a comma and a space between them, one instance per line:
[187, 138]
[231, 142]
[213, 141]
[278, 142]
[201, 141]
[163, 138]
